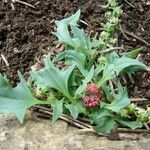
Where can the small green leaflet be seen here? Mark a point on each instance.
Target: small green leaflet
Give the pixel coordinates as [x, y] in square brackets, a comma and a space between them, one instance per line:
[118, 10]
[106, 125]
[16, 100]
[120, 103]
[97, 115]
[52, 77]
[130, 124]
[87, 79]
[133, 53]
[109, 4]
[103, 120]
[74, 110]
[57, 107]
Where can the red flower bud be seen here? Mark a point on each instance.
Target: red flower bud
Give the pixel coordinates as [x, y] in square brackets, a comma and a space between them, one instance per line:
[92, 88]
[91, 101]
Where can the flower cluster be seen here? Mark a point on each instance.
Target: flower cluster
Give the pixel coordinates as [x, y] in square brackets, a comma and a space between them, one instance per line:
[95, 96]
[92, 88]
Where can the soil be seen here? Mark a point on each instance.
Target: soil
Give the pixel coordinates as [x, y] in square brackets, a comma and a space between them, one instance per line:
[25, 34]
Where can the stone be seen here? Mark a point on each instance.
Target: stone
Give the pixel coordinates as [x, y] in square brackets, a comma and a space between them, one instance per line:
[41, 134]
[144, 144]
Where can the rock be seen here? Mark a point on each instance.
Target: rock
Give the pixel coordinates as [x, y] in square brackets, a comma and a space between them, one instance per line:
[40, 134]
[145, 144]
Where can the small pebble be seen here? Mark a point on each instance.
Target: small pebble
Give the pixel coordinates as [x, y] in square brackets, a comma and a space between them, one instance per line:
[15, 50]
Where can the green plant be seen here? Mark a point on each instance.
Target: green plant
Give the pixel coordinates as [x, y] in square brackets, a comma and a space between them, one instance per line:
[82, 87]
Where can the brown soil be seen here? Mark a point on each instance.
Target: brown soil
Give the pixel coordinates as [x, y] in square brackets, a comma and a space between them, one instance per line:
[25, 33]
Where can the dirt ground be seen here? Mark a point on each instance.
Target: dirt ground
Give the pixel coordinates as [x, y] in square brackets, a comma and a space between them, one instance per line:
[25, 33]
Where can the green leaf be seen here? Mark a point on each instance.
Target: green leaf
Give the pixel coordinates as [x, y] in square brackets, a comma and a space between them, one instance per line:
[112, 2]
[133, 53]
[57, 107]
[108, 73]
[73, 58]
[83, 43]
[4, 83]
[62, 29]
[52, 77]
[97, 43]
[124, 62]
[78, 39]
[87, 79]
[115, 65]
[118, 10]
[108, 91]
[99, 68]
[130, 124]
[106, 125]
[97, 115]
[74, 110]
[16, 100]
[120, 103]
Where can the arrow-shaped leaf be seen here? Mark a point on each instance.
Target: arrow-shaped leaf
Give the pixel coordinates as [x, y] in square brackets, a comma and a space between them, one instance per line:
[115, 65]
[52, 77]
[62, 29]
[74, 110]
[57, 107]
[16, 100]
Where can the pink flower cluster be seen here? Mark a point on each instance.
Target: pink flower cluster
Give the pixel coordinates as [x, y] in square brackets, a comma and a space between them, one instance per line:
[95, 96]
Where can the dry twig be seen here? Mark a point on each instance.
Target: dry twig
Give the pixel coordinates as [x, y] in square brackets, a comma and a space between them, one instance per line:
[112, 49]
[121, 137]
[82, 21]
[88, 130]
[138, 99]
[5, 60]
[137, 37]
[22, 2]
[12, 6]
[127, 130]
[66, 118]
